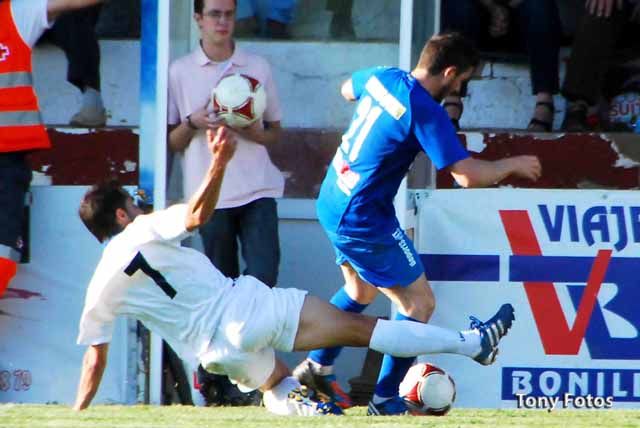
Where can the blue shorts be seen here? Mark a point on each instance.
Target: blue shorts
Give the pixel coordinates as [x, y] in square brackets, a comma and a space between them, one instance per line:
[387, 262]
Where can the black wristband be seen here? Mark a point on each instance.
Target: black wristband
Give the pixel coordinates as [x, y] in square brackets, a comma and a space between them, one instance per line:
[190, 124]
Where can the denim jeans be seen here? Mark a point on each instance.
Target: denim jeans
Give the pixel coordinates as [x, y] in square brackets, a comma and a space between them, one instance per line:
[255, 226]
[535, 26]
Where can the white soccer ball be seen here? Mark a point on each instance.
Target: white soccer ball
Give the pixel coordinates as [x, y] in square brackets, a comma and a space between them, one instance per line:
[428, 390]
[239, 99]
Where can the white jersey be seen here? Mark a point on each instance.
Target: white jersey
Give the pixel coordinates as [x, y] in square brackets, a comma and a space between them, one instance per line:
[144, 273]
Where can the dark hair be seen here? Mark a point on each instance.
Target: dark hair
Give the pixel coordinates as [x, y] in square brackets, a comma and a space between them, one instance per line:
[448, 50]
[198, 5]
[98, 208]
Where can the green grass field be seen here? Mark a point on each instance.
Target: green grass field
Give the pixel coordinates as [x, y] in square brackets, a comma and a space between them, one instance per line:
[31, 416]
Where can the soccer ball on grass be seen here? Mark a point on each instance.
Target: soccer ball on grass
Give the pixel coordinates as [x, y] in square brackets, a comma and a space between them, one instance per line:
[428, 390]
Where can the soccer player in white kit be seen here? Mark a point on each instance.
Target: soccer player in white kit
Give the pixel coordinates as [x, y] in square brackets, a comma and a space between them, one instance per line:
[230, 326]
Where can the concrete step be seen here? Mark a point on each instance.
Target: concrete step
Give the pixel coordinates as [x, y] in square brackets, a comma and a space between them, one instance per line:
[500, 97]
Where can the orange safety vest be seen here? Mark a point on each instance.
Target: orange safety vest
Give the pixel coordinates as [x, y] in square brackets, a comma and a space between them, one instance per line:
[21, 126]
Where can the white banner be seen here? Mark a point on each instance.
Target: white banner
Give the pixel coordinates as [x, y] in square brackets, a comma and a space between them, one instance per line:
[569, 263]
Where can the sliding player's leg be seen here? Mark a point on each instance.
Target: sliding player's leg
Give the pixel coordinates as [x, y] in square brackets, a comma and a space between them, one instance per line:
[354, 297]
[323, 325]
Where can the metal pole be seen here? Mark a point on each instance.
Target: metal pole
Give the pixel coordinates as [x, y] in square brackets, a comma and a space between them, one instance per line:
[404, 62]
[154, 67]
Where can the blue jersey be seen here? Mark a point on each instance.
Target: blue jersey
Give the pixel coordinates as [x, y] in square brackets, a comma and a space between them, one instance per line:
[395, 118]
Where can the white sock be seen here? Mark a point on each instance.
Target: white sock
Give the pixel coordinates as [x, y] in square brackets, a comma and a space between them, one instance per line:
[92, 99]
[409, 339]
[276, 400]
[320, 369]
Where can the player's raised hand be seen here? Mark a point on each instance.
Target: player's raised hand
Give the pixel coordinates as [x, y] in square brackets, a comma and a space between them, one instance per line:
[526, 166]
[222, 144]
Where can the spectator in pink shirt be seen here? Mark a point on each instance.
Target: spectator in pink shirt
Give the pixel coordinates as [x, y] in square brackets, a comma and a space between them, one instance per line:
[246, 210]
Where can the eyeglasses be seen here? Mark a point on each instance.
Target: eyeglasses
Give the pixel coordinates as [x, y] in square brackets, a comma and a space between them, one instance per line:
[217, 15]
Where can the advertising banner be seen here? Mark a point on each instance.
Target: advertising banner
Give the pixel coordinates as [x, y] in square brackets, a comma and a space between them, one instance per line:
[569, 263]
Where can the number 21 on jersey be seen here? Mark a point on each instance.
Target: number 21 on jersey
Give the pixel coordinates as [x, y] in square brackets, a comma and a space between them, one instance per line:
[366, 115]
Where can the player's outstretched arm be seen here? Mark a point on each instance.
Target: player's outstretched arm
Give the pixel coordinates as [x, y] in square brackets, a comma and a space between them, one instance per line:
[56, 7]
[472, 172]
[93, 365]
[222, 145]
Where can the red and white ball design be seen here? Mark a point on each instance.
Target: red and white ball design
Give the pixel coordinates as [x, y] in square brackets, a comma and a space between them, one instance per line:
[239, 99]
[428, 389]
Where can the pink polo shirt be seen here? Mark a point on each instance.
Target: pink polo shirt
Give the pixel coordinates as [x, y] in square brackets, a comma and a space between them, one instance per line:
[250, 174]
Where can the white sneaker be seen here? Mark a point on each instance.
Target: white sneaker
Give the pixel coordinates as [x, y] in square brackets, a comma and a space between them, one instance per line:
[89, 117]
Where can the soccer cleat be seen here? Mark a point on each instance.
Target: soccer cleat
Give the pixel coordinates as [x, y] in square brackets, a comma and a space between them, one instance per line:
[304, 402]
[326, 385]
[395, 406]
[340, 397]
[491, 331]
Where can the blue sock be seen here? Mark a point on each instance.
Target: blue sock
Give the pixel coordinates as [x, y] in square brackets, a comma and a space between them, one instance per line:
[393, 370]
[340, 300]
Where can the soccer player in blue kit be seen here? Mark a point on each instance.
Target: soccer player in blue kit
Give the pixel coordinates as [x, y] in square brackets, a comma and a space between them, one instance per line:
[397, 115]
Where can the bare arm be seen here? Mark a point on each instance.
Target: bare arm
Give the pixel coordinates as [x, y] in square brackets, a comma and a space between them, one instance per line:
[347, 91]
[222, 145]
[180, 136]
[56, 7]
[472, 172]
[93, 365]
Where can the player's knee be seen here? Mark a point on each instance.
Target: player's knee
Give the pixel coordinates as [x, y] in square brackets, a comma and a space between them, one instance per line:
[430, 307]
[427, 304]
[420, 308]
[361, 292]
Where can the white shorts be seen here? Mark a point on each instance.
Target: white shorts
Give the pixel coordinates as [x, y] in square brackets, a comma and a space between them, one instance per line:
[257, 320]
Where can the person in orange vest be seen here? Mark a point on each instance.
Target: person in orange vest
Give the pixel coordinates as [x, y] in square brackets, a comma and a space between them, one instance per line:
[22, 22]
